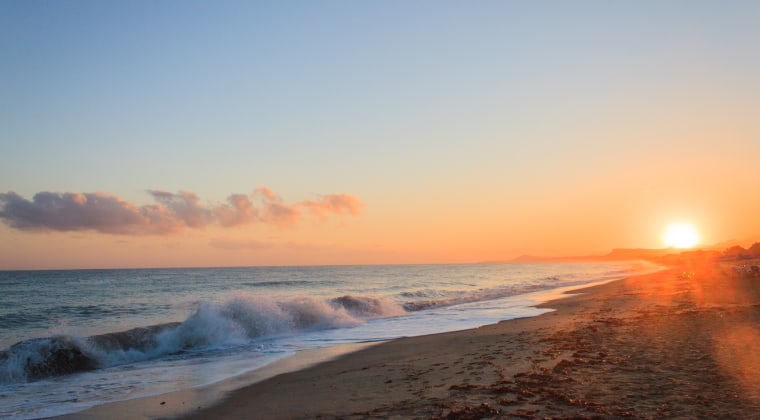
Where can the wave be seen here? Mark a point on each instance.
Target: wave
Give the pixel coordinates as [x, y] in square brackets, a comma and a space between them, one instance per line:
[463, 297]
[280, 283]
[431, 299]
[27, 317]
[242, 318]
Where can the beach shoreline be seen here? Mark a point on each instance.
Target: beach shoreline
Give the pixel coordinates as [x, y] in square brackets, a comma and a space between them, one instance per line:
[182, 402]
[185, 401]
[680, 342]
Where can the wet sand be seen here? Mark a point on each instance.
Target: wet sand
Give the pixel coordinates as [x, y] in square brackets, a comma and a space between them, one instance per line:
[684, 342]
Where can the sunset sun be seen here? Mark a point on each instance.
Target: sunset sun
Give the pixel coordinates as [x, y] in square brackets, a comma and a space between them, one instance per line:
[681, 235]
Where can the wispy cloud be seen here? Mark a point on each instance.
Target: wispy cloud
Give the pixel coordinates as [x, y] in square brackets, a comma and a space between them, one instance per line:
[228, 244]
[172, 212]
[235, 245]
[334, 204]
[275, 211]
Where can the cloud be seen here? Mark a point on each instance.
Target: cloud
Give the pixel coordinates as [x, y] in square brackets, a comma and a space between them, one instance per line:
[239, 211]
[237, 245]
[335, 204]
[298, 246]
[185, 207]
[173, 212]
[89, 211]
[275, 211]
[234, 245]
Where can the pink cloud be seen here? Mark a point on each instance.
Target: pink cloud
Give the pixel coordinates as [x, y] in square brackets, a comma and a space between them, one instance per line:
[236, 245]
[239, 211]
[275, 211]
[334, 204]
[96, 211]
[107, 213]
[185, 206]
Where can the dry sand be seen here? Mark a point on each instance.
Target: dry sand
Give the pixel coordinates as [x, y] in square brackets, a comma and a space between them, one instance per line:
[684, 342]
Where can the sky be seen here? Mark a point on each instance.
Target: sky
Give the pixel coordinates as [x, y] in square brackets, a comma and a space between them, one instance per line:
[237, 133]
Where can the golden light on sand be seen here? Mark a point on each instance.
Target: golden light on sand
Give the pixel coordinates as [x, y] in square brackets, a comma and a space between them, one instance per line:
[681, 235]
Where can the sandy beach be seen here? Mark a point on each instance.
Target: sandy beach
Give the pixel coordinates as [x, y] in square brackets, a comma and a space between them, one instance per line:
[683, 342]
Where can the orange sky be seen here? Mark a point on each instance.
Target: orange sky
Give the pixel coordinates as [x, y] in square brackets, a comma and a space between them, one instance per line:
[382, 133]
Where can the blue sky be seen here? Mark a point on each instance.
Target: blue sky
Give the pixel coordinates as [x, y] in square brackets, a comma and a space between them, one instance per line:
[412, 106]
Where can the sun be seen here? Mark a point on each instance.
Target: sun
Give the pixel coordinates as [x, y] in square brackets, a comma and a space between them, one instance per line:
[681, 235]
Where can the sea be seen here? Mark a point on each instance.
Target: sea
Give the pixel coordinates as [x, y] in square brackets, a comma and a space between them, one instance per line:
[75, 339]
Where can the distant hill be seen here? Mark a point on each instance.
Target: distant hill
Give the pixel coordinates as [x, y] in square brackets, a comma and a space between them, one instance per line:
[746, 242]
[639, 253]
[656, 254]
[617, 254]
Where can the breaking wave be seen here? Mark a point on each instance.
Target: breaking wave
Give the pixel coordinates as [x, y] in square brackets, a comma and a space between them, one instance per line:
[241, 319]
[238, 321]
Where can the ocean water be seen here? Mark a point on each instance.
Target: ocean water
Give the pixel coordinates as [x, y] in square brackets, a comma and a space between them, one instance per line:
[74, 339]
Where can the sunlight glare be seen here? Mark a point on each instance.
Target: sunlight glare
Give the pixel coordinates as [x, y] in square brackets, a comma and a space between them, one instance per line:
[681, 235]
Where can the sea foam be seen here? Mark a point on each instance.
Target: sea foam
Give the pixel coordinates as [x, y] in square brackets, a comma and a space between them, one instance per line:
[240, 319]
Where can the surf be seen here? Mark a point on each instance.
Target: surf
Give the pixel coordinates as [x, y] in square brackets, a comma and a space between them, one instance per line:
[239, 320]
